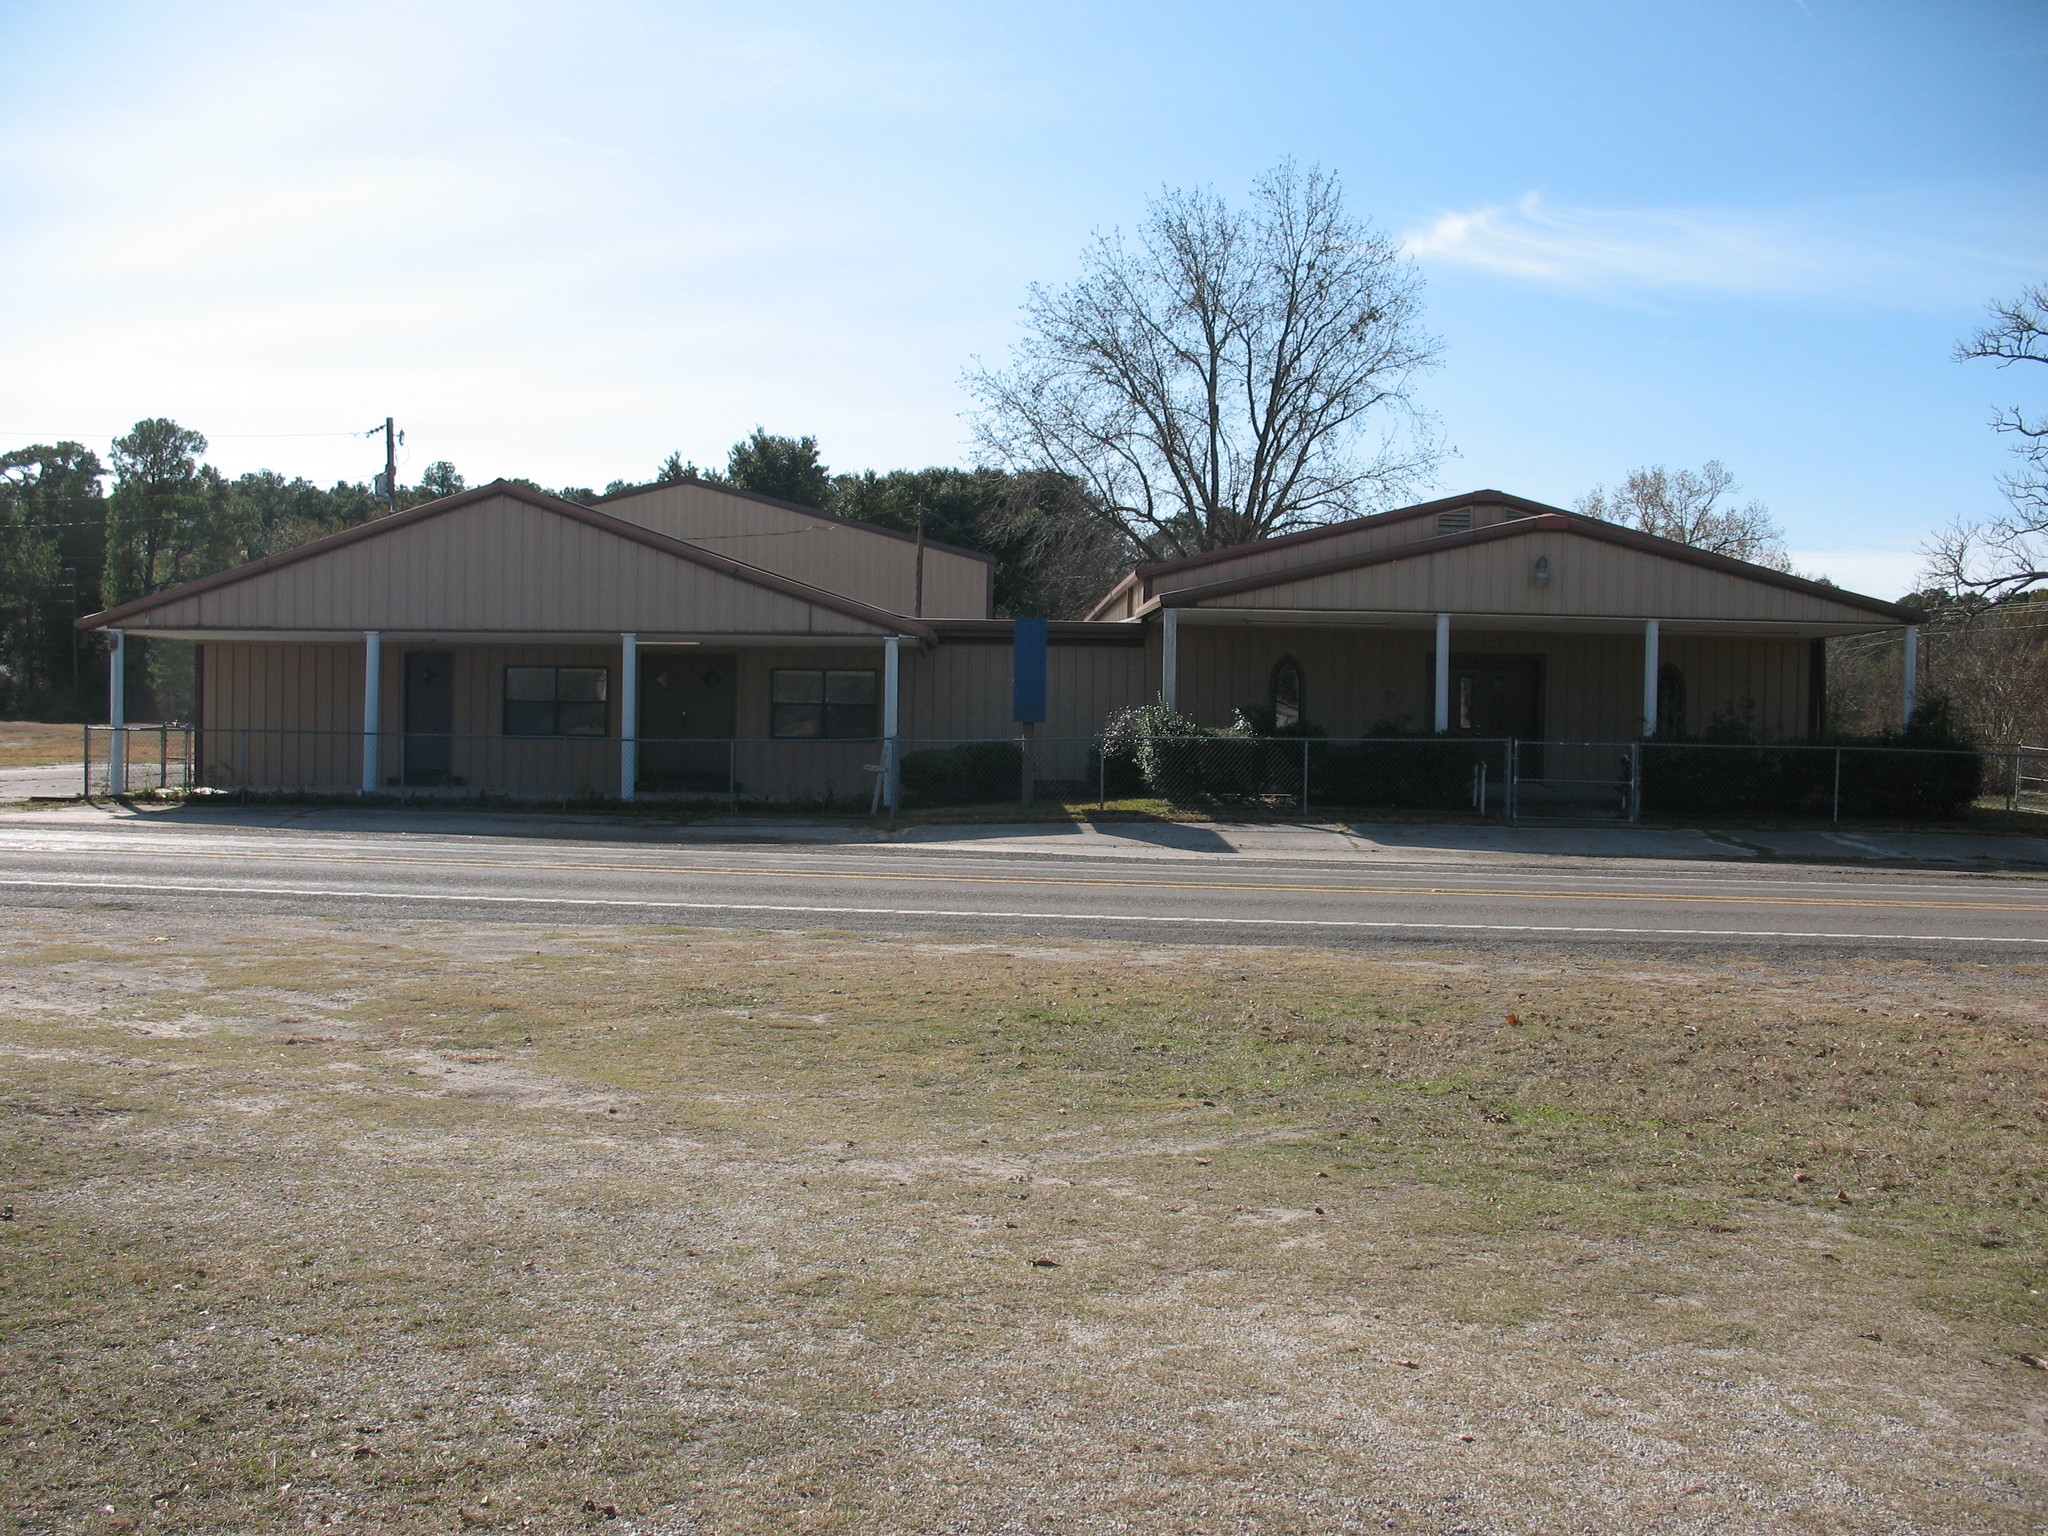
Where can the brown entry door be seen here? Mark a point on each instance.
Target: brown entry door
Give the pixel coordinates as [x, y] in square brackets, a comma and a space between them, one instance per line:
[429, 716]
[1499, 696]
[688, 711]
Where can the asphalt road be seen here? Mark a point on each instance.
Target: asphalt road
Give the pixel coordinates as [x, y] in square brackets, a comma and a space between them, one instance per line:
[1238, 898]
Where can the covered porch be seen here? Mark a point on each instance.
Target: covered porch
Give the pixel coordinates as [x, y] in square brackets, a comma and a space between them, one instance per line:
[1535, 677]
[541, 716]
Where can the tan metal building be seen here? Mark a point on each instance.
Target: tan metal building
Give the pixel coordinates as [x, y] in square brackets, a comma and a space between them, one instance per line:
[689, 638]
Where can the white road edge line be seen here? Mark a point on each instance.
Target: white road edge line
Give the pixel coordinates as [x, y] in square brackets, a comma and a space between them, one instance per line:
[1056, 917]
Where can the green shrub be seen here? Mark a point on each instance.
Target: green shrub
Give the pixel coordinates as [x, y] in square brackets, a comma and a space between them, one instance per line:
[1927, 772]
[1400, 771]
[1180, 761]
[973, 773]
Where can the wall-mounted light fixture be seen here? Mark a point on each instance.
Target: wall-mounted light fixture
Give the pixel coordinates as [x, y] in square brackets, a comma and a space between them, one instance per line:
[1540, 572]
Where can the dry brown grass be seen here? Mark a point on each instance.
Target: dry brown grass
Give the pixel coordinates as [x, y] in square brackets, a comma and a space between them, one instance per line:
[462, 1227]
[31, 744]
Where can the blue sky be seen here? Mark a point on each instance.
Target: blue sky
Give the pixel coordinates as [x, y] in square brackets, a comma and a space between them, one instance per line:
[561, 240]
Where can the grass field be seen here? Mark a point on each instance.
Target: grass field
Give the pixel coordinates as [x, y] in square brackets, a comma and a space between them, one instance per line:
[31, 744]
[438, 1227]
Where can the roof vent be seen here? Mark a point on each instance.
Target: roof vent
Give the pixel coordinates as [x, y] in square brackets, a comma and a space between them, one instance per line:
[1454, 522]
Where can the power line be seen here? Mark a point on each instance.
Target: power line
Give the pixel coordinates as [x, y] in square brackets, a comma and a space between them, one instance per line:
[209, 436]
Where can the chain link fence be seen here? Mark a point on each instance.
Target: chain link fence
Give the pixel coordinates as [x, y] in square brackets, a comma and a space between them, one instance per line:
[1504, 779]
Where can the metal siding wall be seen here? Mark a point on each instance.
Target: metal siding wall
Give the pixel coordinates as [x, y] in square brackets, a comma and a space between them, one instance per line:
[959, 692]
[840, 557]
[501, 564]
[1257, 561]
[1587, 578]
[1760, 683]
[1358, 678]
[251, 691]
[1354, 677]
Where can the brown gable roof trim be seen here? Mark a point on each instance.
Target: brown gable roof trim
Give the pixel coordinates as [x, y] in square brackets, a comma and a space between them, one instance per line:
[1057, 632]
[1553, 521]
[1352, 525]
[797, 506]
[710, 559]
[1144, 573]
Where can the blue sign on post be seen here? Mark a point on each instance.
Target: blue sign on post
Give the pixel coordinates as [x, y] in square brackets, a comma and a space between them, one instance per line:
[1027, 671]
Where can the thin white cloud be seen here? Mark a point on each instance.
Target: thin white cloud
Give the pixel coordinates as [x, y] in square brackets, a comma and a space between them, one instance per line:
[1862, 252]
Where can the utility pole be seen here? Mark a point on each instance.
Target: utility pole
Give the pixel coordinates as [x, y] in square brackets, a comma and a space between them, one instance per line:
[72, 572]
[387, 483]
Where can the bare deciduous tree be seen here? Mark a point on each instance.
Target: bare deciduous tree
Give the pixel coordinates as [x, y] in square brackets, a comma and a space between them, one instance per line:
[1223, 375]
[2007, 555]
[1685, 506]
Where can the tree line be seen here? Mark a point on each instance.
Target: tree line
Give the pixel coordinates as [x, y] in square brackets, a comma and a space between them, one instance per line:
[72, 543]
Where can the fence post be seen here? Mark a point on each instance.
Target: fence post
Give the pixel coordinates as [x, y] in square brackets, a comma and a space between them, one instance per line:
[732, 773]
[1511, 787]
[1102, 773]
[85, 752]
[1304, 774]
[1635, 779]
[2012, 787]
[1837, 817]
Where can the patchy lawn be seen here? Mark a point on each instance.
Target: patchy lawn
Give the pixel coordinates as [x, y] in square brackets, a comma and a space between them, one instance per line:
[31, 744]
[446, 1226]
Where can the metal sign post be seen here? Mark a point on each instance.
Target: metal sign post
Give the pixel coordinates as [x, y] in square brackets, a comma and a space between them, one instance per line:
[1027, 697]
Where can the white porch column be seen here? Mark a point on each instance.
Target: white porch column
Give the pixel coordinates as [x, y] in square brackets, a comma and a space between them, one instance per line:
[1441, 712]
[117, 712]
[1169, 660]
[1650, 668]
[892, 701]
[629, 715]
[1909, 675]
[373, 705]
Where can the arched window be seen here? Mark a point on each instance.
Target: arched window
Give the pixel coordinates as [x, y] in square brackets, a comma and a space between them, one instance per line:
[1288, 707]
[1670, 701]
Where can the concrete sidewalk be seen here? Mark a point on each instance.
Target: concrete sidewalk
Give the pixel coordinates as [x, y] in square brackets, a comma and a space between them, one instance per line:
[1320, 842]
[1483, 844]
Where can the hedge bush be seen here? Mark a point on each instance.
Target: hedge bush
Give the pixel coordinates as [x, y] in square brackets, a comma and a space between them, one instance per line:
[1927, 772]
[973, 773]
[1421, 773]
[1151, 749]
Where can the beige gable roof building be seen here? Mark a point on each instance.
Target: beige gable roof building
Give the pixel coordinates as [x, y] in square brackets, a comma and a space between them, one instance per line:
[689, 638]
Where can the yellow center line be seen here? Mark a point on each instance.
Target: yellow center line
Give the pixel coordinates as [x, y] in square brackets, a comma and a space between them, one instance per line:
[930, 877]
